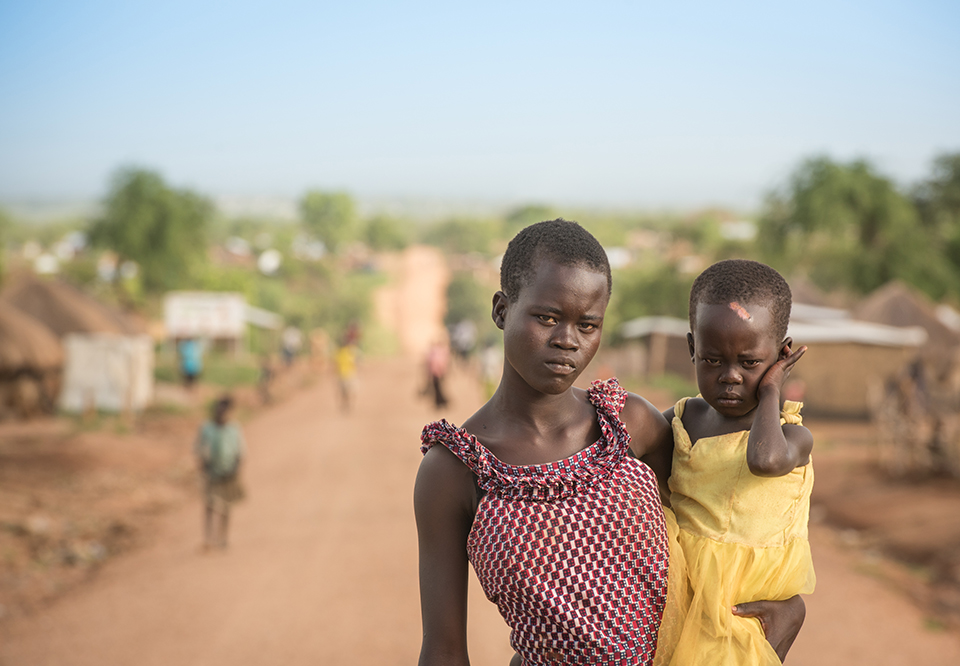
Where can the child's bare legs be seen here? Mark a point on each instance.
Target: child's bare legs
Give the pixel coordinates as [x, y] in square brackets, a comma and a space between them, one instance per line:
[224, 521]
[221, 511]
[345, 395]
[208, 525]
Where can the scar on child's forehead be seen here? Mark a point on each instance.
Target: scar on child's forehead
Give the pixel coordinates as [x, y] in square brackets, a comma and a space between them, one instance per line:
[740, 310]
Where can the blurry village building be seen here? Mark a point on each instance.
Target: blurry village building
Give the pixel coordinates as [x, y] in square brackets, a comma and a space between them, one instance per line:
[917, 410]
[107, 358]
[891, 359]
[217, 318]
[31, 365]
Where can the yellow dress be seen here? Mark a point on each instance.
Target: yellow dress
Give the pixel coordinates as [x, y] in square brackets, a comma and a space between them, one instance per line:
[743, 538]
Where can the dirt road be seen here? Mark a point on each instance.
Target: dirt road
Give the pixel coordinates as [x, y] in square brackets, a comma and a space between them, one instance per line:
[322, 566]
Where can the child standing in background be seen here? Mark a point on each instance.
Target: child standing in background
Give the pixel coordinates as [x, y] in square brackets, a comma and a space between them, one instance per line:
[345, 362]
[742, 473]
[219, 449]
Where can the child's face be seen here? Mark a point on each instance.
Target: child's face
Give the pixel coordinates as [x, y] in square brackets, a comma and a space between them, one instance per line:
[733, 346]
[552, 331]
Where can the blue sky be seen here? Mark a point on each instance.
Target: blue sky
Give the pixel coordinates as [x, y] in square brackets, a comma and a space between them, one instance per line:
[614, 104]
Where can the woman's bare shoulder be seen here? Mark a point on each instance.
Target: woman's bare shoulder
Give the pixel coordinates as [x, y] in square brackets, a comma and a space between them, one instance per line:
[648, 428]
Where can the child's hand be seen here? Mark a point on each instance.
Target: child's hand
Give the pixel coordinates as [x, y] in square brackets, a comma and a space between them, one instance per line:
[776, 376]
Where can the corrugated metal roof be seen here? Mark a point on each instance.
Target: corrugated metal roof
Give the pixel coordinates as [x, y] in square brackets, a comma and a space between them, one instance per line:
[834, 328]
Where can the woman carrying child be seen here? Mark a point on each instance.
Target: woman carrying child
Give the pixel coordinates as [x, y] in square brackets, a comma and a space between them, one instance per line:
[539, 491]
[742, 473]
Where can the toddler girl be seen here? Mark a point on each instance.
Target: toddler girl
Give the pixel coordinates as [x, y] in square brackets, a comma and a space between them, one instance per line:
[741, 478]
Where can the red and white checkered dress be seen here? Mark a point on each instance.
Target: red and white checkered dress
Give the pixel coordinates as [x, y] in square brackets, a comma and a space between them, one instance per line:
[574, 552]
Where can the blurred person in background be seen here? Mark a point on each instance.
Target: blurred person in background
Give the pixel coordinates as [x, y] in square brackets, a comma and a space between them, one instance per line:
[190, 352]
[291, 344]
[463, 339]
[265, 379]
[345, 362]
[352, 335]
[219, 449]
[438, 362]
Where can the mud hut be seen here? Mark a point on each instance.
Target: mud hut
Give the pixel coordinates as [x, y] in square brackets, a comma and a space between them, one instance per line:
[31, 363]
[108, 359]
[918, 411]
[656, 346]
[896, 304]
[64, 309]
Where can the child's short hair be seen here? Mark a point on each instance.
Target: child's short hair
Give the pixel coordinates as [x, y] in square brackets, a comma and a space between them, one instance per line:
[563, 241]
[223, 404]
[744, 281]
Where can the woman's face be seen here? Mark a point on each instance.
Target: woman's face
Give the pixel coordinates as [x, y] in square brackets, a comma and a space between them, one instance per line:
[552, 331]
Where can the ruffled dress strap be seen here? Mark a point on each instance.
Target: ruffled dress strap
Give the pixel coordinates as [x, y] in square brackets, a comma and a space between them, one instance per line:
[680, 406]
[609, 398]
[461, 443]
[547, 481]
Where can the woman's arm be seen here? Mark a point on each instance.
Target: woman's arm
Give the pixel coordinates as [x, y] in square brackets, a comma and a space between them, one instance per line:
[444, 503]
[651, 438]
[772, 449]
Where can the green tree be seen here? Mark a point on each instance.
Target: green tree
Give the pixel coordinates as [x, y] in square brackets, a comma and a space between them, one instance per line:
[385, 233]
[844, 225]
[463, 236]
[938, 202]
[4, 227]
[649, 290]
[524, 216]
[331, 216]
[160, 228]
[467, 299]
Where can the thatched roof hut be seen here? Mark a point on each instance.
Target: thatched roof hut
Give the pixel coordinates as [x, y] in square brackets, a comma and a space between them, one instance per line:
[26, 344]
[64, 309]
[896, 304]
[31, 363]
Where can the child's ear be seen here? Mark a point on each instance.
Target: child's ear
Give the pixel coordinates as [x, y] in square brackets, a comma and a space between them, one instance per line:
[499, 312]
[785, 347]
[691, 347]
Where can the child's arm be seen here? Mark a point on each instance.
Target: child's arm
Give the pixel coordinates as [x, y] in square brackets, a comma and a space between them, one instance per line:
[444, 503]
[772, 449]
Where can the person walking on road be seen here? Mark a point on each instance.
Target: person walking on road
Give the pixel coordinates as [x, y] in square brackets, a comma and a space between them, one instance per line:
[438, 361]
[219, 449]
[345, 361]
